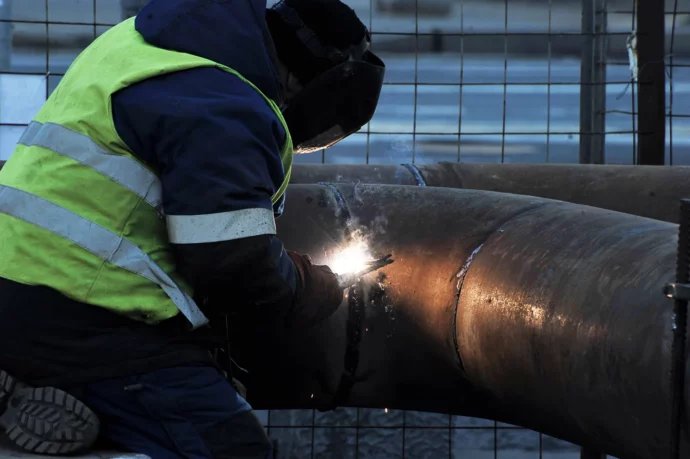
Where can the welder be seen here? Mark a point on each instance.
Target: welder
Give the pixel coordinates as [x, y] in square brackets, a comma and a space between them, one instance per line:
[139, 206]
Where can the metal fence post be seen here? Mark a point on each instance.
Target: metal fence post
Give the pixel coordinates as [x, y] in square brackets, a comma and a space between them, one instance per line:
[5, 34]
[593, 82]
[651, 114]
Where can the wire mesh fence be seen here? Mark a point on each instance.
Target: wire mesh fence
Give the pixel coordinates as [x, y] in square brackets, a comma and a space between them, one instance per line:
[677, 20]
[467, 80]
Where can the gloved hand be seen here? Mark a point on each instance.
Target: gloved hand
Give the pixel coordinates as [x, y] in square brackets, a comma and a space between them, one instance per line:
[318, 294]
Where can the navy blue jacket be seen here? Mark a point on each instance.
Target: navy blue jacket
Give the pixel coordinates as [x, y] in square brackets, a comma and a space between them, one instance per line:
[214, 140]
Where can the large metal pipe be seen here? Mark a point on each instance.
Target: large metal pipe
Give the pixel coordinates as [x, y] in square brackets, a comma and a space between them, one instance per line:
[648, 191]
[534, 312]
[539, 313]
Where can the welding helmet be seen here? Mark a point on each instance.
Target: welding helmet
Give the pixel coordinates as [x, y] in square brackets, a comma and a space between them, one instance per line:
[325, 50]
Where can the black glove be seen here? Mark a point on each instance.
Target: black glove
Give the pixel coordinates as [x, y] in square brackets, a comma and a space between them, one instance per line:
[318, 294]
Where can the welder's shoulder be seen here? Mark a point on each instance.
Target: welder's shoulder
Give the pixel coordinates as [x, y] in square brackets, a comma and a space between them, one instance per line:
[202, 99]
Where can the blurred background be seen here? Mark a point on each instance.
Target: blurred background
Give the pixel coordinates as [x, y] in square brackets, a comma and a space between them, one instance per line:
[532, 81]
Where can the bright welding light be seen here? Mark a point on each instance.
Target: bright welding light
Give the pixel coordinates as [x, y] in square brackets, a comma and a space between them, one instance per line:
[352, 259]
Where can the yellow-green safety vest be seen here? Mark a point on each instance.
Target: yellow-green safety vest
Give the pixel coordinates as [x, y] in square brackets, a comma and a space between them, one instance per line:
[79, 212]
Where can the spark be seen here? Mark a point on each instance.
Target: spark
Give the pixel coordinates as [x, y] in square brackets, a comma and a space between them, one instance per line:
[385, 410]
[351, 259]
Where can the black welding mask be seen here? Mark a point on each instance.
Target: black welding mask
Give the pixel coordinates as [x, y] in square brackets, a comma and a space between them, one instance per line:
[324, 47]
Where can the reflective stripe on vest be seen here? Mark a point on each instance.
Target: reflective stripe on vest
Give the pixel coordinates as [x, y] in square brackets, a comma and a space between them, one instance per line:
[107, 245]
[99, 241]
[221, 226]
[121, 169]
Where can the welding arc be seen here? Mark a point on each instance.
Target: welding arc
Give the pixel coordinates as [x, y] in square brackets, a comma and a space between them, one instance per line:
[559, 324]
[348, 280]
[647, 191]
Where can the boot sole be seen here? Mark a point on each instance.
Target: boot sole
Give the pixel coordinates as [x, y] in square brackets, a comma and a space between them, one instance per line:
[45, 420]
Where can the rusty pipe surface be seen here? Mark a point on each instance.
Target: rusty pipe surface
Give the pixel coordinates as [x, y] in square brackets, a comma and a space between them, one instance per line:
[648, 191]
[539, 313]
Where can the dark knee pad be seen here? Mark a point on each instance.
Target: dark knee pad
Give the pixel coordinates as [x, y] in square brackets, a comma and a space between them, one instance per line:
[241, 437]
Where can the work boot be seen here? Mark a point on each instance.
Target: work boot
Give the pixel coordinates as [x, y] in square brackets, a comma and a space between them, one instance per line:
[45, 420]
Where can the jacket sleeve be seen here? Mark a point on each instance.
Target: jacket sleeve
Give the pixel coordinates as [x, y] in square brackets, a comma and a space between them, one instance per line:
[216, 144]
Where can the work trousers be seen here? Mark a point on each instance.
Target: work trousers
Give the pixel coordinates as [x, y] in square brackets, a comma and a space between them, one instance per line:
[189, 412]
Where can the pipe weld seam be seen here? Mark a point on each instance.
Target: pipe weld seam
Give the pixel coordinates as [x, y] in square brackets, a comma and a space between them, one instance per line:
[344, 214]
[355, 324]
[416, 173]
[356, 313]
[462, 275]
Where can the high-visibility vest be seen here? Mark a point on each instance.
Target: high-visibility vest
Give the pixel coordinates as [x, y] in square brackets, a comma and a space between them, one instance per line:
[80, 213]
